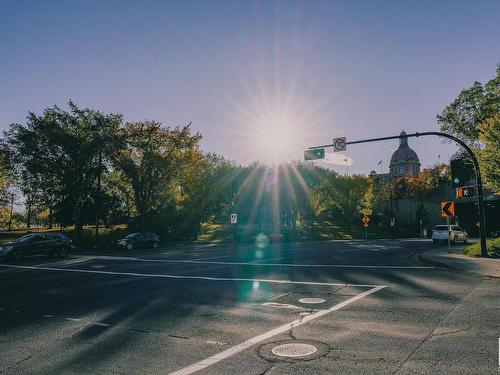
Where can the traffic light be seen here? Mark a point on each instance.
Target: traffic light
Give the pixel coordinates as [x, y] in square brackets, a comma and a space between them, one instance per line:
[465, 192]
[462, 173]
[316, 153]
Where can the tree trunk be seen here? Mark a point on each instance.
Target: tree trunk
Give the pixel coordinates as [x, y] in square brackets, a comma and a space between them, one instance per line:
[78, 224]
[50, 217]
[142, 222]
[28, 215]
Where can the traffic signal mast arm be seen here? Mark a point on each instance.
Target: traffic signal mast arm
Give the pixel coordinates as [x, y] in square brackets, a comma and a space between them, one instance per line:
[476, 167]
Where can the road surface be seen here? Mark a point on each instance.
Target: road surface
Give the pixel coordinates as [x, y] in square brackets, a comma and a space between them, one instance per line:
[361, 307]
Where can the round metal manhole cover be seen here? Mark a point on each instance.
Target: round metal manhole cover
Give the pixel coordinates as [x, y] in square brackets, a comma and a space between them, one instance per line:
[294, 350]
[311, 300]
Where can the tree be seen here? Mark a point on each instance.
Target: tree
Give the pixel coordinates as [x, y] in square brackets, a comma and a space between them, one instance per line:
[471, 108]
[366, 206]
[152, 158]
[206, 191]
[489, 156]
[117, 197]
[61, 148]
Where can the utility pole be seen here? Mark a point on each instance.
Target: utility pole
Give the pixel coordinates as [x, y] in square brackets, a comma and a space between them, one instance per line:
[98, 195]
[480, 203]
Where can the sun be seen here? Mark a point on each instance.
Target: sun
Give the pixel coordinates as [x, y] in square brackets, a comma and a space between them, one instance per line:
[275, 141]
[273, 128]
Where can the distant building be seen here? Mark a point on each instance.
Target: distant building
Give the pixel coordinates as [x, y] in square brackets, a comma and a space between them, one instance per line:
[404, 160]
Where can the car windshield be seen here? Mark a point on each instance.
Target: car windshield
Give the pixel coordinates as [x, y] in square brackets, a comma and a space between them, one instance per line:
[440, 227]
[131, 235]
[24, 238]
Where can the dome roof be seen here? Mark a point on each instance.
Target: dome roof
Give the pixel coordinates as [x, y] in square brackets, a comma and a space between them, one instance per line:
[404, 153]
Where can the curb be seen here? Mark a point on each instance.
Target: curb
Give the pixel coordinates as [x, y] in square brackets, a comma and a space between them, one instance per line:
[427, 260]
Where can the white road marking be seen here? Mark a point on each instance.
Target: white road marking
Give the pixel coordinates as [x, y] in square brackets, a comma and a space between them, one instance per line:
[183, 277]
[47, 315]
[73, 319]
[209, 258]
[215, 342]
[281, 305]
[101, 324]
[257, 339]
[201, 261]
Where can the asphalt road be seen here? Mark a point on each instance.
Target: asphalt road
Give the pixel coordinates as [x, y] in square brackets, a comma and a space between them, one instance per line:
[214, 310]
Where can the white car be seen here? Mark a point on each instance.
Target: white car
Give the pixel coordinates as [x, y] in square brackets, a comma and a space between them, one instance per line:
[440, 233]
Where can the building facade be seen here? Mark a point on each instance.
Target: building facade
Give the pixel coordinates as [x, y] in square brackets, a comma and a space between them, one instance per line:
[404, 160]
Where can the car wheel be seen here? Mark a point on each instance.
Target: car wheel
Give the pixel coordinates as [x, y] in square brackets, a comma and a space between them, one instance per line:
[156, 245]
[64, 251]
[16, 255]
[466, 239]
[129, 246]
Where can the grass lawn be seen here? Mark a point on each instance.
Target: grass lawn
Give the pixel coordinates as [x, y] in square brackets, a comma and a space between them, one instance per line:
[492, 246]
[212, 232]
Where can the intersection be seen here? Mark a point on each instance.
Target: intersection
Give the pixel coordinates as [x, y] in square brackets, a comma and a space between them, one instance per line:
[217, 309]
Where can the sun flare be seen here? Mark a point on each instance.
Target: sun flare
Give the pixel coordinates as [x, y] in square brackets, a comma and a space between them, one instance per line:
[275, 141]
[274, 128]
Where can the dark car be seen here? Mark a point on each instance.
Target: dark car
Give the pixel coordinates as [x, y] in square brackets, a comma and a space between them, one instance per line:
[51, 244]
[139, 240]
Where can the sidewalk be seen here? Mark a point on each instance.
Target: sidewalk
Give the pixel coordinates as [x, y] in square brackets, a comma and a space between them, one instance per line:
[454, 258]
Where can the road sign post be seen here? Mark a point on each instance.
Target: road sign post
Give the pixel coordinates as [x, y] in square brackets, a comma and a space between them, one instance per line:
[479, 184]
[448, 230]
[366, 220]
[234, 221]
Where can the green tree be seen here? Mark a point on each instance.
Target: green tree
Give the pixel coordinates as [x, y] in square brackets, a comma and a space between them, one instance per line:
[206, 191]
[62, 149]
[489, 156]
[471, 108]
[152, 160]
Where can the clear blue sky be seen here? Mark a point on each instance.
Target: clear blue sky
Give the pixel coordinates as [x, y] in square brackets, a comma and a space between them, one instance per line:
[319, 68]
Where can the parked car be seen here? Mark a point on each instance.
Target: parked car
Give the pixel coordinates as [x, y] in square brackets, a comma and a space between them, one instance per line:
[440, 233]
[51, 244]
[139, 240]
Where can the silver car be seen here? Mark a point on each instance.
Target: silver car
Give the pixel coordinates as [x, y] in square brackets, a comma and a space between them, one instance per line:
[441, 233]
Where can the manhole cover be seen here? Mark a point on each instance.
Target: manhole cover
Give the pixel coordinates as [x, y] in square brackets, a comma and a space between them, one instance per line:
[311, 300]
[294, 350]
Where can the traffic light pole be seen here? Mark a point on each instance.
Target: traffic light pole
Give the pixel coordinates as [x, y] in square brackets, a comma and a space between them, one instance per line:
[480, 205]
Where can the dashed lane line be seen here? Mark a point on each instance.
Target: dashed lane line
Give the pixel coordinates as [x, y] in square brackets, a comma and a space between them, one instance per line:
[182, 277]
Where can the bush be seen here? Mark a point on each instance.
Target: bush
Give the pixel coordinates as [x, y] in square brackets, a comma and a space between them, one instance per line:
[492, 247]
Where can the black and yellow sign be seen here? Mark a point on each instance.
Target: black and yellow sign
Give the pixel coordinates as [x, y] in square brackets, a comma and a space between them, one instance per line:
[447, 209]
[365, 220]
